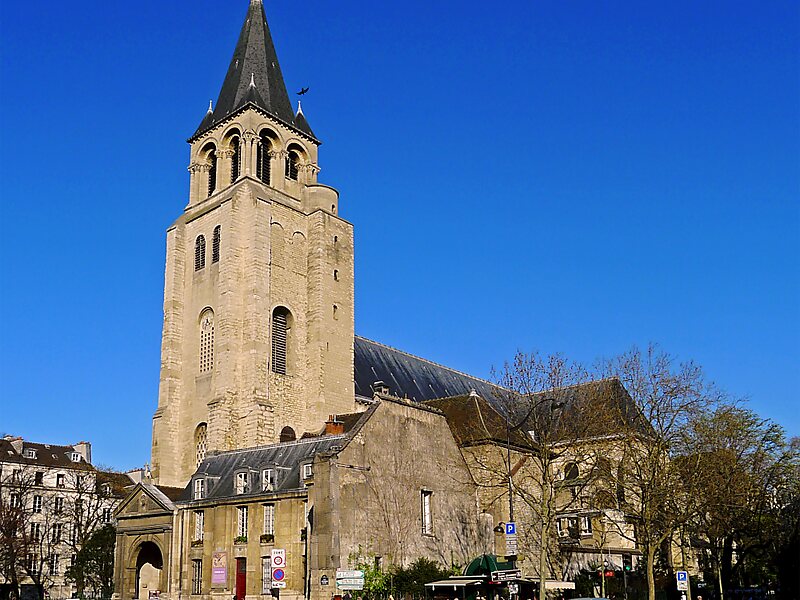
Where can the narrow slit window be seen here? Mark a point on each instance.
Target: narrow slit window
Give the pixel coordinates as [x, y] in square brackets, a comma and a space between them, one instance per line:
[207, 342]
[199, 253]
[212, 172]
[215, 242]
[280, 337]
[264, 160]
[236, 159]
[427, 516]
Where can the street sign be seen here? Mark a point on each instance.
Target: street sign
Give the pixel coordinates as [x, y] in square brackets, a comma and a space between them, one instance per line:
[682, 577]
[506, 575]
[351, 581]
[511, 538]
[278, 567]
[324, 580]
[349, 574]
[348, 586]
[511, 528]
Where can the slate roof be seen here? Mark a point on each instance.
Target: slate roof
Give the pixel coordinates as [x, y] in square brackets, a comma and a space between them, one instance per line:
[254, 60]
[47, 455]
[286, 458]
[610, 410]
[473, 420]
[409, 376]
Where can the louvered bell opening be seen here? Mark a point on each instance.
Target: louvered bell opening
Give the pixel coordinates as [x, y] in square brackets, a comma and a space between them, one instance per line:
[212, 174]
[236, 161]
[215, 244]
[263, 163]
[199, 253]
[279, 335]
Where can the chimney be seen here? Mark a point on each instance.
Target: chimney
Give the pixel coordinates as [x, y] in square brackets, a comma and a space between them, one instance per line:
[333, 426]
[17, 444]
[85, 450]
[380, 388]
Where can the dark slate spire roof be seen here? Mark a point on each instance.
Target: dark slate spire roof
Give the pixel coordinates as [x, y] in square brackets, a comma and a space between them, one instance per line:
[254, 75]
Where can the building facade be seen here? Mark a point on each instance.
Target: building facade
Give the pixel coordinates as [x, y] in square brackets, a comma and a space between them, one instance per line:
[257, 342]
[51, 500]
[277, 428]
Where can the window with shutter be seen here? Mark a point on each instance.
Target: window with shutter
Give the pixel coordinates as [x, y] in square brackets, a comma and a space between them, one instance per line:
[280, 335]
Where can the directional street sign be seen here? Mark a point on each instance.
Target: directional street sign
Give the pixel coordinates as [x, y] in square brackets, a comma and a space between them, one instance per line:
[349, 574]
[506, 575]
[682, 577]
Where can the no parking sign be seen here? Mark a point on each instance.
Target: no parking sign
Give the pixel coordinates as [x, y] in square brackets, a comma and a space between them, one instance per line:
[278, 568]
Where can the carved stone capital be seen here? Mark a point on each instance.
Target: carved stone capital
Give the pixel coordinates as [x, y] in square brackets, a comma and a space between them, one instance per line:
[280, 154]
[194, 168]
[226, 153]
[250, 136]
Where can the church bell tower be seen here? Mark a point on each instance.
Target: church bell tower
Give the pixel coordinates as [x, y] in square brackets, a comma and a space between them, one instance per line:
[257, 343]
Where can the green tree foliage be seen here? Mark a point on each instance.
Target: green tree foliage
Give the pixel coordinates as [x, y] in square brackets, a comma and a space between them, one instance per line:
[93, 571]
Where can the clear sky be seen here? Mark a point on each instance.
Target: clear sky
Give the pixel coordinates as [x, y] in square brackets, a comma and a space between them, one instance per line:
[574, 176]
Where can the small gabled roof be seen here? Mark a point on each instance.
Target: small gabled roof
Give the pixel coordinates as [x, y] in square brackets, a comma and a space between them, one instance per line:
[254, 77]
[473, 420]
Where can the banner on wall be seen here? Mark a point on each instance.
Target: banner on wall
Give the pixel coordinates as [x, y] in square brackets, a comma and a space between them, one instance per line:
[219, 568]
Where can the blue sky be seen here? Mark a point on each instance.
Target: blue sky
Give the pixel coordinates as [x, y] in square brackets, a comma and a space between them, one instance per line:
[572, 176]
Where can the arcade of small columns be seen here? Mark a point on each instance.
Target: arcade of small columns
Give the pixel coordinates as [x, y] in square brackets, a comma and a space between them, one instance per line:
[249, 144]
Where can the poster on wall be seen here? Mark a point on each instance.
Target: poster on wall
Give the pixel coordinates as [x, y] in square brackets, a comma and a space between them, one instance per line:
[219, 568]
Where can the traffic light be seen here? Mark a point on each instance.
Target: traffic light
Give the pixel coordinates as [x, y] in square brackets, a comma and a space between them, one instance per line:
[627, 562]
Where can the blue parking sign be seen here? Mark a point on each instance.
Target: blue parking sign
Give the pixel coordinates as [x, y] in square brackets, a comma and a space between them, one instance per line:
[682, 576]
[511, 529]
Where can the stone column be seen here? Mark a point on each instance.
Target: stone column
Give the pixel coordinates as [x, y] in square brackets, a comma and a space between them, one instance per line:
[279, 169]
[194, 182]
[248, 155]
[224, 167]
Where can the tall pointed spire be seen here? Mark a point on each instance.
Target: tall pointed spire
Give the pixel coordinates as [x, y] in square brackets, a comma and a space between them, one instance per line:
[254, 74]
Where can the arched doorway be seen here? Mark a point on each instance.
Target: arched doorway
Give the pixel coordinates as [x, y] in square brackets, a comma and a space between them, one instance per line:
[149, 564]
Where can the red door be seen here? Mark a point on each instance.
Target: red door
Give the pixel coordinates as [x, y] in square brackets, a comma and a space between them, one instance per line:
[241, 578]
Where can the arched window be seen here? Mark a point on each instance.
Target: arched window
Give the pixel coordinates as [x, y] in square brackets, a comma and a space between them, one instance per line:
[207, 341]
[281, 324]
[200, 442]
[199, 252]
[263, 159]
[288, 434]
[570, 471]
[212, 172]
[215, 244]
[236, 159]
[292, 165]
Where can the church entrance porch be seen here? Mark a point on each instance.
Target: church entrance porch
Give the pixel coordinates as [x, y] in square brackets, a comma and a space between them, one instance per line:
[149, 569]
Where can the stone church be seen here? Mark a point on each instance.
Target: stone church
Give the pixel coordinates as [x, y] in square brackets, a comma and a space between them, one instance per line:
[278, 431]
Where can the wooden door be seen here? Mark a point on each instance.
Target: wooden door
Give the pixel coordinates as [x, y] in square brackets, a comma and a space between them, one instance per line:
[241, 578]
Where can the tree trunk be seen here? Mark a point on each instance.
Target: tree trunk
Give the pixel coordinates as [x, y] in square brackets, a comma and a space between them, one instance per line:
[545, 530]
[651, 582]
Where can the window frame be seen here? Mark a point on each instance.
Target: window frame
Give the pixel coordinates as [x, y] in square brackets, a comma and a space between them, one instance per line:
[269, 519]
[199, 526]
[199, 488]
[241, 483]
[426, 510]
[199, 253]
[197, 576]
[242, 518]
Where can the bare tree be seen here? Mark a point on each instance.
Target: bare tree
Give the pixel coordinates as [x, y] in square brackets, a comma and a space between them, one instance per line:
[560, 415]
[658, 459]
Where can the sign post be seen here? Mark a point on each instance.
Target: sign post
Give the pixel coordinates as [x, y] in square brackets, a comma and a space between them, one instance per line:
[682, 579]
[278, 568]
[511, 538]
[349, 579]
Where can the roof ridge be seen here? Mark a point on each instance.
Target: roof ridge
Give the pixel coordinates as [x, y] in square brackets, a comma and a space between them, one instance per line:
[276, 444]
[430, 362]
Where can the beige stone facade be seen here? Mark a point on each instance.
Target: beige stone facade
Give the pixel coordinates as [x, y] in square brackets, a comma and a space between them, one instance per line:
[253, 245]
[364, 490]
